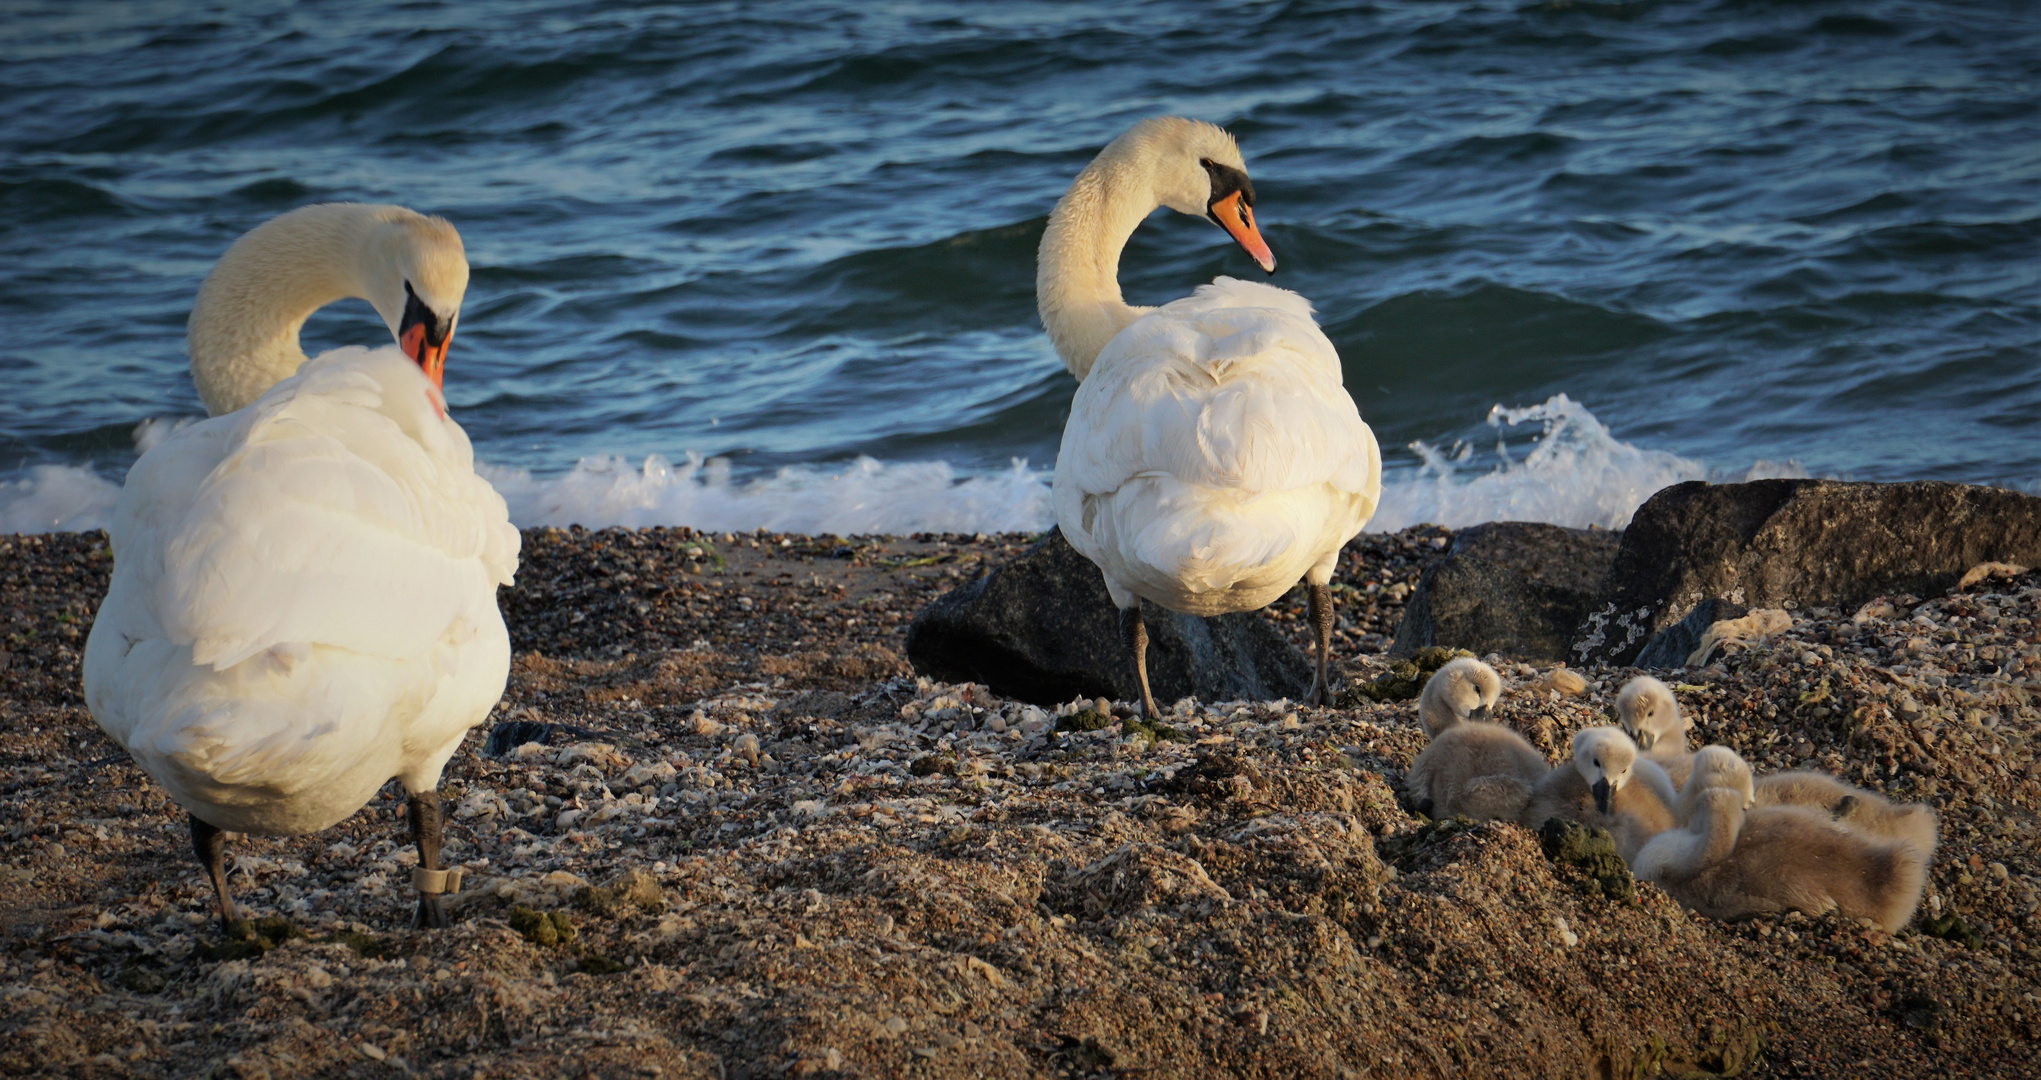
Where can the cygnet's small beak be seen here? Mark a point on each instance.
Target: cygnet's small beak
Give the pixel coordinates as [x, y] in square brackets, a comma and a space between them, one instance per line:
[424, 337]
[1601, 790]
[1643, 739]
[1481, 713]
[1237, 218]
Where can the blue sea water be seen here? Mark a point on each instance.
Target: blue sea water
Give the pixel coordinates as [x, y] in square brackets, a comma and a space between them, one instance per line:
[773, 263]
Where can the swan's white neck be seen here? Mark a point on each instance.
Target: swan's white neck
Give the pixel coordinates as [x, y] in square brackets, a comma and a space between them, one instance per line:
[1077, 268]
[243, 333]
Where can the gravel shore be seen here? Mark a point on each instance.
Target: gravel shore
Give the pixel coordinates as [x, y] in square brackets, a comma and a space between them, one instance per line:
[780, 854]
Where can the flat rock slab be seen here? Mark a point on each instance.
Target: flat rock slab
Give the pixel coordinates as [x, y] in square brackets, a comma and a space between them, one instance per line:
[1514, 587]
[1042, 629]
[1780, 543]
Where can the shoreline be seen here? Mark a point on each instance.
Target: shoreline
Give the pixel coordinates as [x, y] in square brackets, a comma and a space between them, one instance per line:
[819, 865]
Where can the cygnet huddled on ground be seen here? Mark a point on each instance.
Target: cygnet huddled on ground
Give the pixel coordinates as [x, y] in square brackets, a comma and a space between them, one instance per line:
[1607, 785]
[1852, 806]
[1730, 861]
[1472, 767]
[1651, 716]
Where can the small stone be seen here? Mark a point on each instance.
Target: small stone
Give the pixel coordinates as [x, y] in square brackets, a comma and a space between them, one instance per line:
[373, 1052]
[747, 748]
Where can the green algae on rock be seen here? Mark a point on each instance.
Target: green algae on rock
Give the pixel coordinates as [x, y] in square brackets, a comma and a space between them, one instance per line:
[1593, 852]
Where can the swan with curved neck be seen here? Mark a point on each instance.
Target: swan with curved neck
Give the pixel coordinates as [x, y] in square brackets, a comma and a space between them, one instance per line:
[1188, 166]
[243, 333]
[1212, 456]
[303, 602]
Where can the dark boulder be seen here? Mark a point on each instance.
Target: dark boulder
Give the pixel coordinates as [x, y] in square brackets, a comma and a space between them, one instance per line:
[1512, 587]
[1043, 629]
[1670, 647]
[1770, 543]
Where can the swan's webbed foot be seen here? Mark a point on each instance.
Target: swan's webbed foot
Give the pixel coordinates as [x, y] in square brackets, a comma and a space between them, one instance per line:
[1136, 634]
[1320, 604]
[210, 845]
[428, 832]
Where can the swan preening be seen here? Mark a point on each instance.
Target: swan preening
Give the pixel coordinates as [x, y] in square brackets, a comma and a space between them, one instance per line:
[1471, 768]
[1650, 715]
[303, 602]
[1721, 839]
[1212, 457]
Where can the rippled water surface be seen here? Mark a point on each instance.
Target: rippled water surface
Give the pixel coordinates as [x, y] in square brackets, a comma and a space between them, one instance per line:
[1736, 237]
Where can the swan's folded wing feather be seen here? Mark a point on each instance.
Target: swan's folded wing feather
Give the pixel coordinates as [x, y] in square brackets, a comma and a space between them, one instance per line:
[1246, 399]
[330, 524]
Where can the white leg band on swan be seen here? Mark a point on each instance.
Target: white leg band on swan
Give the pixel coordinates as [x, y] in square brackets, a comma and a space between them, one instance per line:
[434, 882]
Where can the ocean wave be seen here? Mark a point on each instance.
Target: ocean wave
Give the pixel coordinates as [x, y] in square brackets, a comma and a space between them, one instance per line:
[1571, 470]
[1575, 473]
[868, 497]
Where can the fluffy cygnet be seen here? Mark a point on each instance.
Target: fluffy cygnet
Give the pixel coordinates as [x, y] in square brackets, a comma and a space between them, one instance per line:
[1714, 766]
[1461, 691]
[1609, 786]
[1853, 806]
[1730, 862]
[1651, 715]
[1475, 769]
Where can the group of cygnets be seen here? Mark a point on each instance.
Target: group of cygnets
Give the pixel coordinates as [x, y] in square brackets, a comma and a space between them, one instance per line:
[1700, 824]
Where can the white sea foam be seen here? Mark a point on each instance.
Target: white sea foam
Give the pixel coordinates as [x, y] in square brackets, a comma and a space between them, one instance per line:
[56, 498]
[1573, 472]
[868, 497]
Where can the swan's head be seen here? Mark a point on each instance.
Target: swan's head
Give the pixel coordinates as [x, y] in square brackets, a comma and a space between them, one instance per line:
[1463, 690]
[1197, 170]
[1720, 767]
[417, 273]
[1650, 714]
[1604, 756]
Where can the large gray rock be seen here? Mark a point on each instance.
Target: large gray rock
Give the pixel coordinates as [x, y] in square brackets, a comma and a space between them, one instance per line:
[1808, 542]
[1512, 587]
[1043, 629]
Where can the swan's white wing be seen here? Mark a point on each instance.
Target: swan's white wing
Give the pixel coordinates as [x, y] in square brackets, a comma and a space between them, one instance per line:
[1214, 394]
[1212, 455]
[303, 599]
[347, 513]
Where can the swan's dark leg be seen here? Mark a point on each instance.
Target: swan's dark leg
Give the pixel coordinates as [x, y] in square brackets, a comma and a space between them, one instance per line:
[210, 845]
[427, 831]
[1321, 622]
[1136, 635]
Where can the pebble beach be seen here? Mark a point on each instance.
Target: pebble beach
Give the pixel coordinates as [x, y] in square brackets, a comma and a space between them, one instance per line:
[752, 843]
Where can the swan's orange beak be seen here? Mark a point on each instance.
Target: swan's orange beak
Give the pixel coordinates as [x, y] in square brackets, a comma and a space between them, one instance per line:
[431, 358]
[1237, 218]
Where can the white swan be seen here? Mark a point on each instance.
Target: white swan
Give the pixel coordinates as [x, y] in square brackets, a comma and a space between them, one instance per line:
[1212, 456]
[304, 590]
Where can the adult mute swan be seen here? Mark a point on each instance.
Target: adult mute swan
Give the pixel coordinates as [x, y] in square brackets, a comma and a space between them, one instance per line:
[1212, 456]
[304, 590]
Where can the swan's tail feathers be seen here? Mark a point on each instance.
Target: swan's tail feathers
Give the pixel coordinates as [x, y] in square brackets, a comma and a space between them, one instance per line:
[1909, 823]
[1898, 875]
[1494, 798]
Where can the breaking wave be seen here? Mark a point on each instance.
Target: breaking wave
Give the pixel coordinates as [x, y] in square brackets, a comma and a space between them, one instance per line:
[1572, 471]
